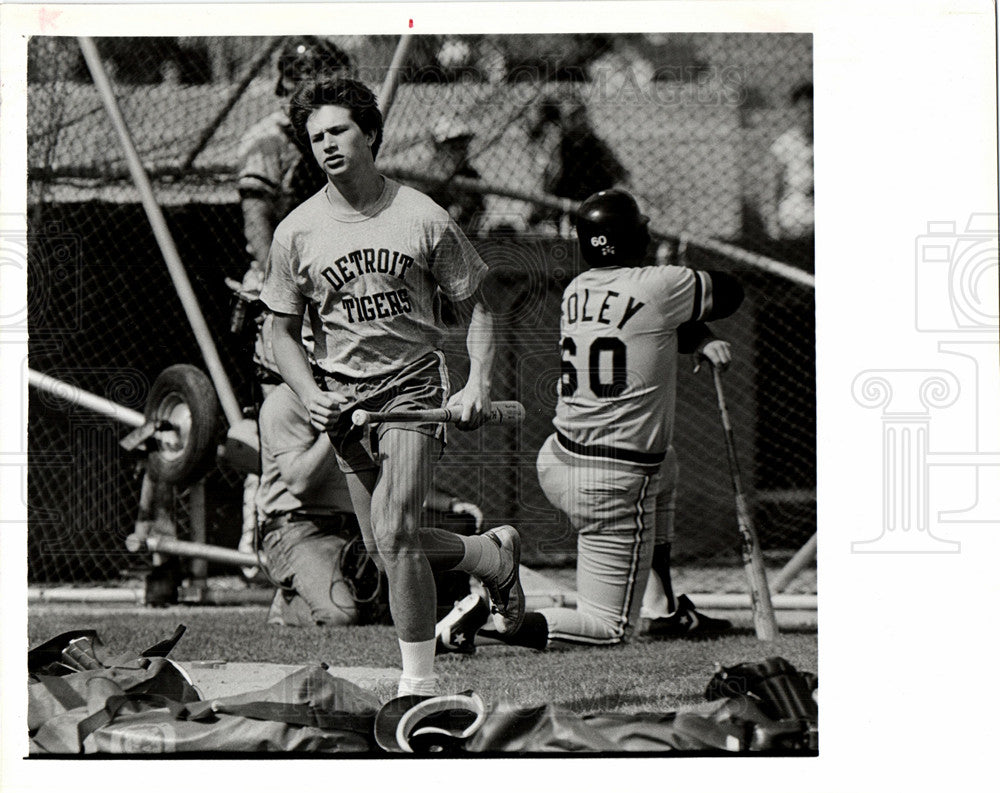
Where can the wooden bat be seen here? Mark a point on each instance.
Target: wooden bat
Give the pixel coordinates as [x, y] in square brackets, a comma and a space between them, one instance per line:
[500, 413]
[753, 561]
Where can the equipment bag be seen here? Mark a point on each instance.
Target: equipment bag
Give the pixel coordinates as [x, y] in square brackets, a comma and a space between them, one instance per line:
[148, 705]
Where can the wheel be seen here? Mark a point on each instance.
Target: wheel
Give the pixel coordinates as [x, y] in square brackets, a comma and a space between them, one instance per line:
[183, 401]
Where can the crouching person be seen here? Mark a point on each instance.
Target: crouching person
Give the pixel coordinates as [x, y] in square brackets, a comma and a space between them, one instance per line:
[307, 517]
[309, 532]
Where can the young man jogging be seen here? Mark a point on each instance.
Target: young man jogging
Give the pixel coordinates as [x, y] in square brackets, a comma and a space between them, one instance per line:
[369, 254]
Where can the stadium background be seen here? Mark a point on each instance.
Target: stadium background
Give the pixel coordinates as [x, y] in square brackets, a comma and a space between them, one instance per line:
[690, 116]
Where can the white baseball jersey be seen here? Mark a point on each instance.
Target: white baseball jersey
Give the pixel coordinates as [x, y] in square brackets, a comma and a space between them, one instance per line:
[272, 165]
[372, 276]
[619, 358]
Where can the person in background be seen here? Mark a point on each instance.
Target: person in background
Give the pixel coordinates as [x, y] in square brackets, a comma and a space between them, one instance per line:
[790, 215]
[451, 139]
[579, 162]
[275, 173]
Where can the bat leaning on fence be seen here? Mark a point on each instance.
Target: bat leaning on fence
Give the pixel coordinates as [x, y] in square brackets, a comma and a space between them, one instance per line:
[753, 561]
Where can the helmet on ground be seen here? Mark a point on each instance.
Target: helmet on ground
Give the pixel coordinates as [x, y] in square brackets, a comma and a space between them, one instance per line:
[307, 57]
[611, 229]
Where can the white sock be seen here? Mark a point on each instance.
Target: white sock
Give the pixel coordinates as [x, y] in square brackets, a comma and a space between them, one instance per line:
[654, 599]
[481, 558]
[418, 668]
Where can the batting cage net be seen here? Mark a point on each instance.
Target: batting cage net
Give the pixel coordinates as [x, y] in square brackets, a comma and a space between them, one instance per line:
[704, 129]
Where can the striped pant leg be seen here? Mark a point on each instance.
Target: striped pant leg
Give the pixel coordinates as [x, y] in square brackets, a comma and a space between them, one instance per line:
[611, 576]
[612, 510]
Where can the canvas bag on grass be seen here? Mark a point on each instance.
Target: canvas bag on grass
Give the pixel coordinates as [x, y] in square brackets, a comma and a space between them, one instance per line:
[308, 711]
[60, 672]
[80, 702]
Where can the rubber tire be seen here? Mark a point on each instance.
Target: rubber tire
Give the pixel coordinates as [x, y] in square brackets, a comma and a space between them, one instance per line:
[183, 391]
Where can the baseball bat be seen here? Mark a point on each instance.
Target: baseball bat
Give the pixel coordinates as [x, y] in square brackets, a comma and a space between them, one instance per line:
[500, 413]
[753, 561]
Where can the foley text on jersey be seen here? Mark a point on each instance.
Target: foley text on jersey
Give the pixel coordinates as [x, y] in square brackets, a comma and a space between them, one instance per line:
[606, 307]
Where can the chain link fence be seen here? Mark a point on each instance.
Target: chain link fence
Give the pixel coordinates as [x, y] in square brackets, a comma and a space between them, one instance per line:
[687, 122]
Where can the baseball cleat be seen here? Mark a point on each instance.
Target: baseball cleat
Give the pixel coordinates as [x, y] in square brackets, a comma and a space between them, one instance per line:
[505, 589]
[686, 622]
[456, 632]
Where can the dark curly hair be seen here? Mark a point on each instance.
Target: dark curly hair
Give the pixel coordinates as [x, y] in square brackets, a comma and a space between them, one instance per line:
[352, 94]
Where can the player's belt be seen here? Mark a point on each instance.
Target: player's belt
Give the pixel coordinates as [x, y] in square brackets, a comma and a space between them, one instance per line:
[335, 521]
[611, 452]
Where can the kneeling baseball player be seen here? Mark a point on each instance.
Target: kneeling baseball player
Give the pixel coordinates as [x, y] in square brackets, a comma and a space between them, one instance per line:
[609, 458]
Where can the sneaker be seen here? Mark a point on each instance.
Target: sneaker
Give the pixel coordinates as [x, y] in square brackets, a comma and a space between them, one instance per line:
[505, 589]
[686, 621]
[456, 632]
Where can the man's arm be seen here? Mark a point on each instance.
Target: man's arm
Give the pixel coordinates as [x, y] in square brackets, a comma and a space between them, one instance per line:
[717, 295]
[293, 364]
[474, 398]
[258, 227]
[698, 339]
[303, 471]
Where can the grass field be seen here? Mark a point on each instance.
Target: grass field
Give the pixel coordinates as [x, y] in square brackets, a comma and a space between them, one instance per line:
[646, 675]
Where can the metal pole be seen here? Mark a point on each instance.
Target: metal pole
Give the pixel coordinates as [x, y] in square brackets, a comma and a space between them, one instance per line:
[234, 97]
[757, 261]
[734, 601]
[77, 396]
[802, 557]
[569, 207]
[195, 550]
[705, 600]
[387, 93]
[227, 398]
[199, 533]
[564, 205]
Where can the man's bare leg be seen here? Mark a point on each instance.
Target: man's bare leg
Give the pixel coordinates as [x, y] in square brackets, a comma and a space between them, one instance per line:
[405, 476]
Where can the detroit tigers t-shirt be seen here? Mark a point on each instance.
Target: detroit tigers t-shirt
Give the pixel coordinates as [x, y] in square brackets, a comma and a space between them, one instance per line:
[372, 277]
[619, 354]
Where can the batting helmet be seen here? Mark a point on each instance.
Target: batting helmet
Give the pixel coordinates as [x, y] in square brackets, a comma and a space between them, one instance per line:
[611, 229]
[306, 57]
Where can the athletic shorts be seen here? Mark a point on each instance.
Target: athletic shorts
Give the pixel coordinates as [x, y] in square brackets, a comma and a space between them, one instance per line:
[421, 385]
